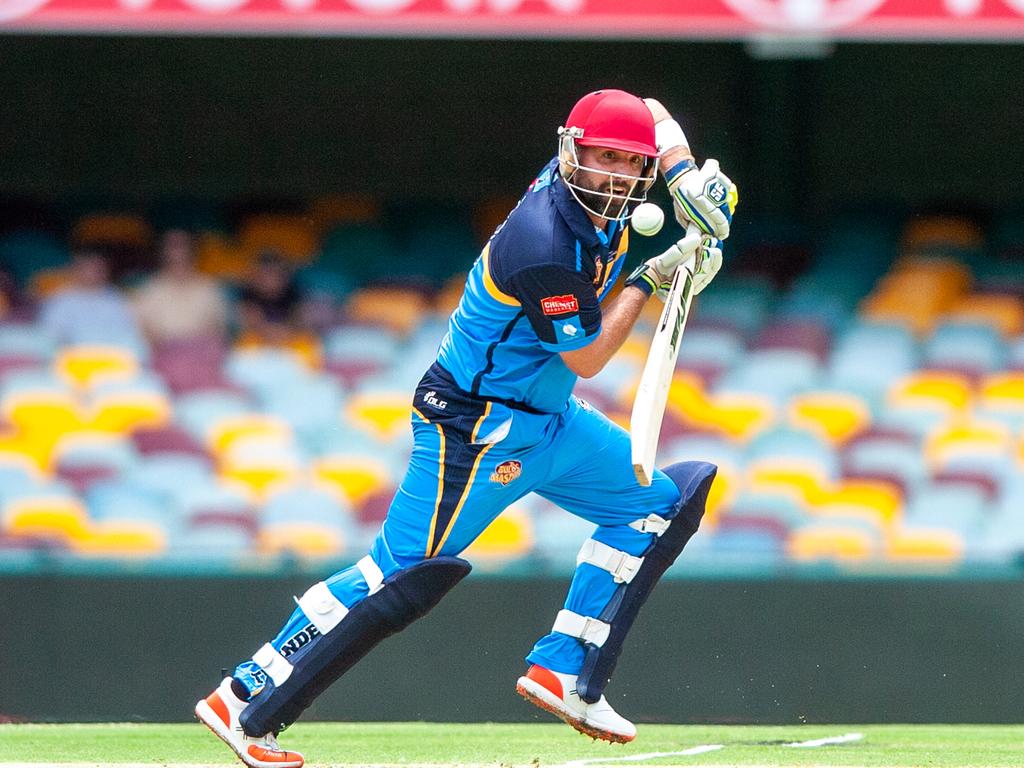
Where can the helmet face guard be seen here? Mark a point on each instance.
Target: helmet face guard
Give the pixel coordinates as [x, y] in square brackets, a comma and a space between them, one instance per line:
[610, 206]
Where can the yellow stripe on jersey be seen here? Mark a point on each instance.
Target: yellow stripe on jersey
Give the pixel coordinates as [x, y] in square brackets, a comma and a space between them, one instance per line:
[612, 258]
[492, 288]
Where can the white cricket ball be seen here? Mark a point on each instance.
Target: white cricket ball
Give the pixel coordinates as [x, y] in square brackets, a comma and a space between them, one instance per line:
[647, 219]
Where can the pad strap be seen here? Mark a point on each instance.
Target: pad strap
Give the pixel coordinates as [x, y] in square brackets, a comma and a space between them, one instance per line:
[273, 663]
[621, 565]
[588, 630]
[655, 524]
[371, 573]
[322, 608]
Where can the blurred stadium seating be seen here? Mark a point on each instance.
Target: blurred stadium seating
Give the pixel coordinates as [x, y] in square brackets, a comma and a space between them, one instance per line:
[859, 422]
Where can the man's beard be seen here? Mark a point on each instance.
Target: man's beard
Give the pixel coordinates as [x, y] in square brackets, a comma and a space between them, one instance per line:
[611, 208]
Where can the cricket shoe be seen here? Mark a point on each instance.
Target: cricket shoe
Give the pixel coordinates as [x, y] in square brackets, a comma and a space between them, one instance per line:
[220, 711]
[556, 693]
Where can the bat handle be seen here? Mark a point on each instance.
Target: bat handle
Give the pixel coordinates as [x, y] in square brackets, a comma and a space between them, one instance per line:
[698, 257]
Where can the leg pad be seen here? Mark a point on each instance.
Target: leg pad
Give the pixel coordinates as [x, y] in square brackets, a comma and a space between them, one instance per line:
[694, 480]
[404, 597]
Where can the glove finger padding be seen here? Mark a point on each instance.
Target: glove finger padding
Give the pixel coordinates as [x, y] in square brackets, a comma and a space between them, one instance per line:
[666, 263]
[710, 263]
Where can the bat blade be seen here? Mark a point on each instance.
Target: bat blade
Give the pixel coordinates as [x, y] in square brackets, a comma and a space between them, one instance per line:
[652, 392]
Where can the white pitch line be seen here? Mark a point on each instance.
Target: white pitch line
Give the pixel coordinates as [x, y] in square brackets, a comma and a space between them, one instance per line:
[698, 750]
[846, 737]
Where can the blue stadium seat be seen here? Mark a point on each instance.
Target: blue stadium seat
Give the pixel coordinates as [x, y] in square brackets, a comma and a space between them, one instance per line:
[263, 370]
[979, 348]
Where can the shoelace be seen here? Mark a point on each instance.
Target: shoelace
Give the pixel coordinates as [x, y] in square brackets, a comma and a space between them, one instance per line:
[271, 741]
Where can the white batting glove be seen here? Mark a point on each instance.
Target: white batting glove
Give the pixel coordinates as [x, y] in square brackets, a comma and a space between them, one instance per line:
[709, 261]
[655, 275]
[705, 197]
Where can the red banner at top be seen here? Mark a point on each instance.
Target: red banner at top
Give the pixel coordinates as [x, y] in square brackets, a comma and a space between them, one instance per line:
[636, 19]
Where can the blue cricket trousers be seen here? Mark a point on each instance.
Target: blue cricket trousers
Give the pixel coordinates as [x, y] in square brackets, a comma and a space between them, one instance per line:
[471, 459]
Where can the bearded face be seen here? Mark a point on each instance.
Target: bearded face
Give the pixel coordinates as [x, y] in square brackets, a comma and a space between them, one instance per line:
[606, 181]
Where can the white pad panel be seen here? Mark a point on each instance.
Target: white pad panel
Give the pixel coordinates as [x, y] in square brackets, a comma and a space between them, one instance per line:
[273, 663]
[621, 565]
[651, 524]
[585, 628]
[322, 607]
[371, 572]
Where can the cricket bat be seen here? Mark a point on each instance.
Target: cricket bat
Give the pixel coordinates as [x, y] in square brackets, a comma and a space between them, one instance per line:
[652, 393]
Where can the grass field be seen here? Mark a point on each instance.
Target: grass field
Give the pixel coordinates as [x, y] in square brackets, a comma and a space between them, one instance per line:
[504, 745]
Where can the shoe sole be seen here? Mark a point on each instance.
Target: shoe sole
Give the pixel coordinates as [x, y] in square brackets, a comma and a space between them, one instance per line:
[209, 718]
[541, 697]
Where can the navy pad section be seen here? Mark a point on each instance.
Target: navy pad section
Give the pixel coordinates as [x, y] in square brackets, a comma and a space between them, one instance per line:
[404, 597]
[693, 478]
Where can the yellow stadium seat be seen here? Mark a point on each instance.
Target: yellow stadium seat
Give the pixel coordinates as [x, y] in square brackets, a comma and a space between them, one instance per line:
[355, 477]
[328, 212]
[1002, 312]
[686, 397]
[967, 439]
[121, 539]
[306, 347]
[1003, 390]
[723, 490]
[917, 292]
[835, 415]
[60, 518]
[924, 545]
[260, 463]
[127, 411]
[225, 432]
[804, 481]
[85, 365]
[33, 447]
[295, 238]
[738, 416]
[839, 543]
[510, 535]
[877, 509]
[300, 539]
[42, 411]
[872, 500]
[398, 309]
[385, 414]
[931, 390]
[118, 228]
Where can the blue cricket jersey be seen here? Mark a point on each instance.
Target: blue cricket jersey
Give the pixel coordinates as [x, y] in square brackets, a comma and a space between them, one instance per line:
[535, 291]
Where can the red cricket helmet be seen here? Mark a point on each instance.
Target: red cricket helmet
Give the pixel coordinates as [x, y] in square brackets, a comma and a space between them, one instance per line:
[616, 120]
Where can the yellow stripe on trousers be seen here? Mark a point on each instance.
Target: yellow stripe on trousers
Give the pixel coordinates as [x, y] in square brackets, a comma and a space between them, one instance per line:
[465, 490]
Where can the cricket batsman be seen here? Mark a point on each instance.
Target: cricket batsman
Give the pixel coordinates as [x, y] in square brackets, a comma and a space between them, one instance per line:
[494, 419]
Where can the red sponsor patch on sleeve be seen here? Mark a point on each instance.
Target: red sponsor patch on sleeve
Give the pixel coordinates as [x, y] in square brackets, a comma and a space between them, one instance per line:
[558, 305]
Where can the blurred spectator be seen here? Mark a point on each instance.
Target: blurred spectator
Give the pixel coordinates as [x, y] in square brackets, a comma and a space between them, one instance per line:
[179, 302]
[90, 309]
[12, 303]
[270, 309]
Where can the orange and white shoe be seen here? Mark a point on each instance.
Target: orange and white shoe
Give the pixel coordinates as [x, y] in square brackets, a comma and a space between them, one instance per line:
[555, 692]
[219, 712]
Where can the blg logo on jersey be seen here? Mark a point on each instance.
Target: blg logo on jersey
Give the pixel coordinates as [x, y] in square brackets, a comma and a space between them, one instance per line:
[506, 472]
[431, 398]
[559, 305]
